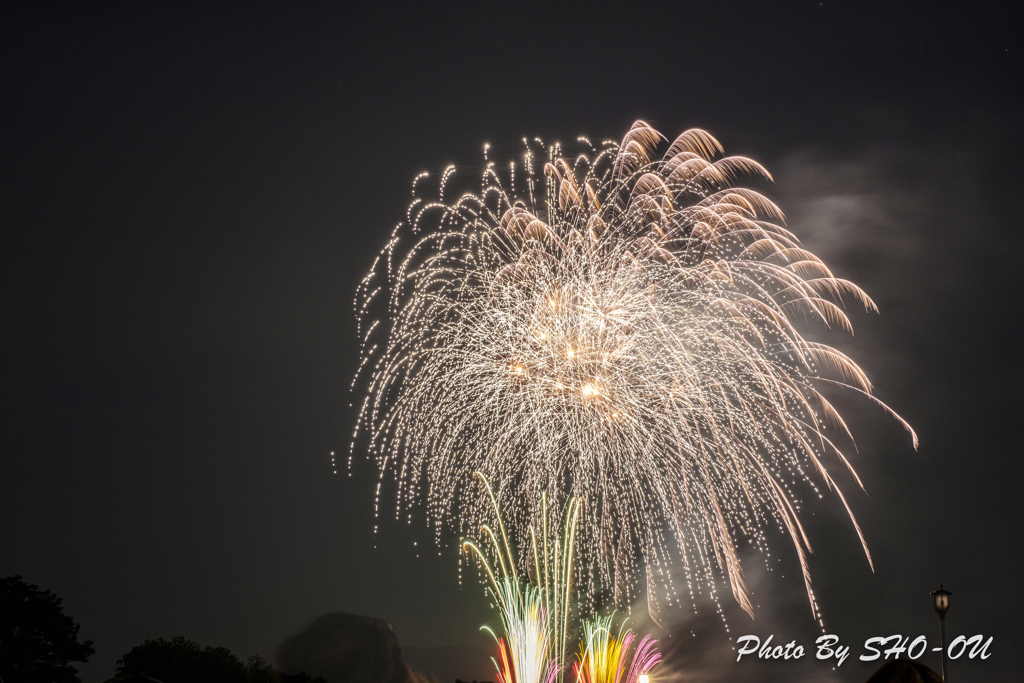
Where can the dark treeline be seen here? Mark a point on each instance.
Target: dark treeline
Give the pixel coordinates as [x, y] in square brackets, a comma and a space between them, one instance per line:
[39, 644]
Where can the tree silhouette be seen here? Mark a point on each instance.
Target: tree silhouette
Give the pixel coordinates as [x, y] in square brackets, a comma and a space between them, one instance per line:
[180, 660]
[261, 671]
[38, 641]
[183, 661]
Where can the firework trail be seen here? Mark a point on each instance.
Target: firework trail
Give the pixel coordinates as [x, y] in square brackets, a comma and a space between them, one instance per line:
[524, 651]
[617, 328]
[535, 618]
[603, 658]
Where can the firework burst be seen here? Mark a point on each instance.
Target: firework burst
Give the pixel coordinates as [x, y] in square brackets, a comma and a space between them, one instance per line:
[617, 328]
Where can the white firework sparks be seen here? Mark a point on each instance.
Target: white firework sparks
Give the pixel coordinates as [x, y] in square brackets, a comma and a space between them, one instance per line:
[621, 330]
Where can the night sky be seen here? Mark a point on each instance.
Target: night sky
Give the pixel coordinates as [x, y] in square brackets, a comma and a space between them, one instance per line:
[189, 197]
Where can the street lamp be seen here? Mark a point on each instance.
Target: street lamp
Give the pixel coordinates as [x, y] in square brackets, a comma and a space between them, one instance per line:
[941, 600]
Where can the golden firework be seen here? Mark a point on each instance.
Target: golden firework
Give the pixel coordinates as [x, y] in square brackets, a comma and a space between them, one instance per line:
[619, 329]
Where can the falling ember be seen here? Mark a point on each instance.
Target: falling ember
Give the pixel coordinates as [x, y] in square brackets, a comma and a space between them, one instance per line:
[618, 329]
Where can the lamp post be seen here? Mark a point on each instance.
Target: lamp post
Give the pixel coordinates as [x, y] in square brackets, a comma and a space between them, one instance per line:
[941, 601]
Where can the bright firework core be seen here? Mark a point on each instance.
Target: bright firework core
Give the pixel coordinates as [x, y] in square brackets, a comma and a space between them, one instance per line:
[619, 329]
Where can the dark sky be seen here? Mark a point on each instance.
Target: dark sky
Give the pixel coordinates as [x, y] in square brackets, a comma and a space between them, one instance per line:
[189, 197]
